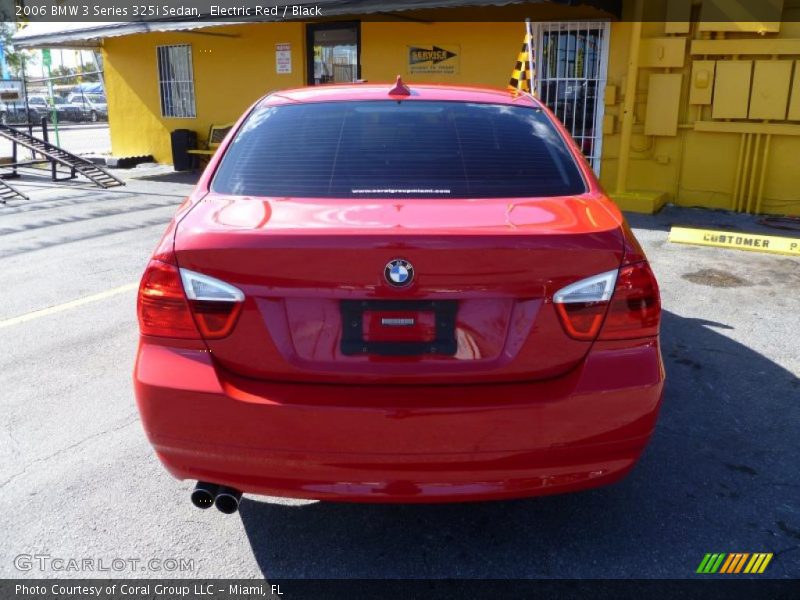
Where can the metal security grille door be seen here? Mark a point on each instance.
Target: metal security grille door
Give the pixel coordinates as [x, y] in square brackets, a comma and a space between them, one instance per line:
[571, 71]
[176, 81]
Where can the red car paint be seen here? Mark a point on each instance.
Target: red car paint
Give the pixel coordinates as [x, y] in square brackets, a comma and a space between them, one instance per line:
[273, 405]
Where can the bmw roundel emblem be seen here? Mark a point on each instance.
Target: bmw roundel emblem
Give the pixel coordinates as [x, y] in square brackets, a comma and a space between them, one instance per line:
[399, 272]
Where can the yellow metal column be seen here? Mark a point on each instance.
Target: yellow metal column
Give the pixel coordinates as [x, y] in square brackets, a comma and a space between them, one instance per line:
[643, 201]
[760, 195]
[629, 102]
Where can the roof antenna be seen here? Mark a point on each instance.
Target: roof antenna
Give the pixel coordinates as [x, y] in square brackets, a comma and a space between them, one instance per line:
[400, 88]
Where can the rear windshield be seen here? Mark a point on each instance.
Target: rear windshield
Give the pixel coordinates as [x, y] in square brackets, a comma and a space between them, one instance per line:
[387, 149]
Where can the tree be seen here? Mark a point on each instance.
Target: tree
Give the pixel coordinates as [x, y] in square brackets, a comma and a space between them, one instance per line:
[14, 58]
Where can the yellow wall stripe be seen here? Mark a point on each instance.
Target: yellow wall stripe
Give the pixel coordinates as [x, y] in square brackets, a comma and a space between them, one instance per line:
[754, 242]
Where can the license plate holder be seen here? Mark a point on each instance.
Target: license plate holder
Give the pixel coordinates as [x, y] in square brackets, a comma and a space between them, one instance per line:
[353, 342]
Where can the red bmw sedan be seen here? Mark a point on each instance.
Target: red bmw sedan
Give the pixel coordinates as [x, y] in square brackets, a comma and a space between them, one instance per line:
[388, 294]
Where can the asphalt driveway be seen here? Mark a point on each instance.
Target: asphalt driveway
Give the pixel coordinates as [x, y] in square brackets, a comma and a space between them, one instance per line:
[79, 480]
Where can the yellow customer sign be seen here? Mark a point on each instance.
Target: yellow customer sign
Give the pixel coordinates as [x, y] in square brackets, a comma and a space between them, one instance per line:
[737, 240]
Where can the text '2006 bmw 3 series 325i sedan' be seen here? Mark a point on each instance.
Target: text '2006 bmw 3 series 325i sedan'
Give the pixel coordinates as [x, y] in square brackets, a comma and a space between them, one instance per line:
[394, 294]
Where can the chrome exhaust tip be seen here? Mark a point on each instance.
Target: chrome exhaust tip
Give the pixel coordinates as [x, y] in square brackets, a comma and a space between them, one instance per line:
[227, 500]
[204, 494]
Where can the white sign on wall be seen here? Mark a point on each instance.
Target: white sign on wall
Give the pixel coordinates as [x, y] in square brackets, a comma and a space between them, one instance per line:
[283, 59]
[10, 90]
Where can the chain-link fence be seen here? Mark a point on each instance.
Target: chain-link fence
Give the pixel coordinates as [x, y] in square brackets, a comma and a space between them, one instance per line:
[71, 116]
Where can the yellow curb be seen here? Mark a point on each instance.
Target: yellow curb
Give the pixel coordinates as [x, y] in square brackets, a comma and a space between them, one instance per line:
[752, 242]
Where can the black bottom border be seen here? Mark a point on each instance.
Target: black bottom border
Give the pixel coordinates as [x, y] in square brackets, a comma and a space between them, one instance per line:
[709, 588]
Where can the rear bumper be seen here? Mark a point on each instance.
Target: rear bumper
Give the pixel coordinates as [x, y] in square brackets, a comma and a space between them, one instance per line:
[401, 443]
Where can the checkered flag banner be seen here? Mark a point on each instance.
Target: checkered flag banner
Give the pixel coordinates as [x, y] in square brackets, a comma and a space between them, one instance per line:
[524, 74]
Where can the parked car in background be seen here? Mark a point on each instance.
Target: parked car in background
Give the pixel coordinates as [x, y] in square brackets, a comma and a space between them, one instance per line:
[65, 110]
[14, 112]
[93, 107]
[39, 107]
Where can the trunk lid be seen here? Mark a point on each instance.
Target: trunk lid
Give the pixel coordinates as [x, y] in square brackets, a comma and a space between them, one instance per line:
[312, 269]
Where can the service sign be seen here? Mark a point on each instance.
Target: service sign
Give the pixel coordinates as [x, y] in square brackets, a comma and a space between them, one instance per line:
[433, 59]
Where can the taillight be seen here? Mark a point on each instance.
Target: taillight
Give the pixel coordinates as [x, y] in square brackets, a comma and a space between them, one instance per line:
[635, 309]
[162, 306]
[616, 305]
[214, 303]
[178, 303]
[582, 305]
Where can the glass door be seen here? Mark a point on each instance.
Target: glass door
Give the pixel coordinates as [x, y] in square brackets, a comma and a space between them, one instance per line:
[333, 51]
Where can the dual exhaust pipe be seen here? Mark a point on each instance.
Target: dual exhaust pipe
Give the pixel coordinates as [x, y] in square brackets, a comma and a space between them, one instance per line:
[226, 499]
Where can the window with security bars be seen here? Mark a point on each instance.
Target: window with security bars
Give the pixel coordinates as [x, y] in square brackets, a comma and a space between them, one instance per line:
[176, 81]
[571, 68]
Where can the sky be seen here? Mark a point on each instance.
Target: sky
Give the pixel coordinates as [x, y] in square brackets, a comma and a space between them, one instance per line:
[70, 58]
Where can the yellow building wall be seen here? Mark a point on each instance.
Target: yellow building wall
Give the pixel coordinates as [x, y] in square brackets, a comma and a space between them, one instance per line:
[487, 51]
[702, 164]
[235, 65]
[711, 161]
[232, 69]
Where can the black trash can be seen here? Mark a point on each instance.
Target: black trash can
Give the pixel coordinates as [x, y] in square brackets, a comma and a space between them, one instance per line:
[183, 140]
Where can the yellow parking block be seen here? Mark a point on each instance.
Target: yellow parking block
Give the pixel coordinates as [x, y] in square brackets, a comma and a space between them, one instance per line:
[754, 242]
